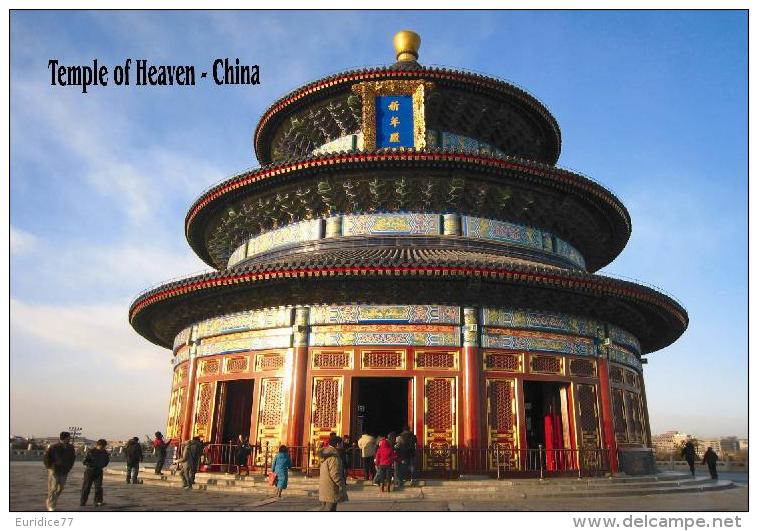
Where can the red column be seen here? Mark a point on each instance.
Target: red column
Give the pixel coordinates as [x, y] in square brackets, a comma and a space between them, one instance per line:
[471, 398]
[471, 388]
[297, 396]
[609, 435]
[297, 385]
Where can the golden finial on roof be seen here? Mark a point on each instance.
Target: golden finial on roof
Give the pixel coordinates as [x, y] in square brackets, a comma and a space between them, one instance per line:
[407, 44]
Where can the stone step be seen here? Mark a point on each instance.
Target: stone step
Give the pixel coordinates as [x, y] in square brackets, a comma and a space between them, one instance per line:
[562, 484]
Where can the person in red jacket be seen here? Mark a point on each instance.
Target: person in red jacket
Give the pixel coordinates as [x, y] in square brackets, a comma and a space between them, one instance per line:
[384, 458]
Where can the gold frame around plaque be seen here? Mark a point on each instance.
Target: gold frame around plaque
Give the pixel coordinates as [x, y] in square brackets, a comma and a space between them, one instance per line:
[369, 90]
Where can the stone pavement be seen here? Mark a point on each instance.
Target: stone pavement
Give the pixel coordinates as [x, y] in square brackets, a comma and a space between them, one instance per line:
[28, 482]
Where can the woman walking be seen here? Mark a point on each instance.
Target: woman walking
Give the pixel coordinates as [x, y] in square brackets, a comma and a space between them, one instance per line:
[281, 465]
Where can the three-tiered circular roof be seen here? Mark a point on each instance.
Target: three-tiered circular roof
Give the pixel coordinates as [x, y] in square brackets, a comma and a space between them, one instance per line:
[515, 182]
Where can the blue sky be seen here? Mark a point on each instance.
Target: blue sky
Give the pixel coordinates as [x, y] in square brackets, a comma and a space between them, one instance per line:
[651, 104]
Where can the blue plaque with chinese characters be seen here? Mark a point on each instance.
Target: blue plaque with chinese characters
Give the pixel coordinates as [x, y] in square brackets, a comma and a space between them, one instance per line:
[394, 121]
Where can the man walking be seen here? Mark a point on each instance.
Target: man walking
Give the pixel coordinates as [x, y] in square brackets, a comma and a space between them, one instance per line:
[331, 480]
[134, 456]
[59, 459]
[95, 461]
[688, 453]
[710, 458]
[190, 461]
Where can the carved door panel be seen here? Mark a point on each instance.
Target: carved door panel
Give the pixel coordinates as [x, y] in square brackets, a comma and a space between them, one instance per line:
[204, 406]
[326, 408]
[440, 432]
[502, 422]
[585, 397]
[175, 414]
[270, 416]
[619, 418]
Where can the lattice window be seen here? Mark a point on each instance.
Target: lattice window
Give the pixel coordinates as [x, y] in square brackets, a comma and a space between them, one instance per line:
[269, 362]
[616, 374]
[272, 402]
[436, 360]
[634, 423]
[332, 359]
[619, 420]
[175, 413]
[631, 378]
[180, 375]
[501, 405]
[383, 359]
[580, 367]
[204, 408]
[210, 367]
[439, 396]
[546, 364]
[237, 364]
[326, 403]
[588, 418]
[501, 361]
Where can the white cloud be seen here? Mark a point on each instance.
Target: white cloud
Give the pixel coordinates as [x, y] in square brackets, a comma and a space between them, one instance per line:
[98, 331]
[22, 242]
[139, 180]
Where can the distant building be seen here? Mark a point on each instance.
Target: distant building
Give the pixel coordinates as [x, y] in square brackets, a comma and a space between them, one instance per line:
[703, 445]
[743, 445]
[730, 445]
[670, 441]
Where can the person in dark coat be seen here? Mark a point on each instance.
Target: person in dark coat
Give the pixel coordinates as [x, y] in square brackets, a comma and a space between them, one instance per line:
[688, 454]
[710, 458]
[281, 466]
[190, 461]
[59, 459]
[133, 451]
[95, 461]
[160, 445]
[346, 453]
[403, 457]
[242, 453]
[410, 439]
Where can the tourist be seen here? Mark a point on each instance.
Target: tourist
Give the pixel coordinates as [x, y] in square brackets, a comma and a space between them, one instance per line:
[384, 458]
[411, 440]
[160, 446]
[242, 454]
[95, 461]
[402, 450]
[281, 466]
[367, 446]
[332, 488]
[346, 451]
[710, 458]
[688, 453]
[190, 461]
[391, 436]
[134, 456]
[58, 459]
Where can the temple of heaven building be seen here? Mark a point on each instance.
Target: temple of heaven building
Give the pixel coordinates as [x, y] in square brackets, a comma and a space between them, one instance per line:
[408, 253]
